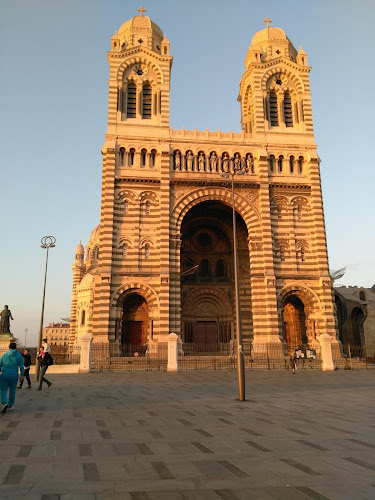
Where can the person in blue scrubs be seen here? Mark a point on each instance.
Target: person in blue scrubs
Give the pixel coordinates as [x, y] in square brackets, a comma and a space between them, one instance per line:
[10, 363]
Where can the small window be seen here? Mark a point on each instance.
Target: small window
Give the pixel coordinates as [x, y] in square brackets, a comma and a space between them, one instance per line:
[143, 158]
[282, 254]
[271, 161]
[126, 207]
[124, 251]
[147, 251]
[362, 295]
[131, 104]
[220, 268]
[122, 156]
[147, 208]
[205, 268]
[274, 114]
[83, 319]
[153, 158]
[300, 165]
[291, 164]
[280, 162]
[131, 157]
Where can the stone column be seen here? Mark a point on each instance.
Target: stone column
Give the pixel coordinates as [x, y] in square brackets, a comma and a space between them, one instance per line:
[326, 351]
[172, 352]
[85, 359]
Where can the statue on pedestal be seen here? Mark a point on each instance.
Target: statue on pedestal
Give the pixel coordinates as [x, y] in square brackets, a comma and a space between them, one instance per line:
[5, 317]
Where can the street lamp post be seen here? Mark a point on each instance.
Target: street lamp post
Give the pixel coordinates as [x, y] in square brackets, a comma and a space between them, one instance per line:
[47, 242]
[237, 166]
[26, 330]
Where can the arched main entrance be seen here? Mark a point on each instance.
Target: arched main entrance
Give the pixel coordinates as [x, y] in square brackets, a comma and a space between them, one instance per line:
[134, 331]
[294, 322]
[207, 278]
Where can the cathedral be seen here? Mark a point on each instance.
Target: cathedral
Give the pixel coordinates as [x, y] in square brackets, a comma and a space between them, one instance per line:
[161, 259]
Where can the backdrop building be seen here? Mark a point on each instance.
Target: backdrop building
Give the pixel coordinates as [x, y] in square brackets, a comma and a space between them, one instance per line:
[161, 259]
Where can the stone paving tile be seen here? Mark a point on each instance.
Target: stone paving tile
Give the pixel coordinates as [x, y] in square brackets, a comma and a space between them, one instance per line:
[108, 423]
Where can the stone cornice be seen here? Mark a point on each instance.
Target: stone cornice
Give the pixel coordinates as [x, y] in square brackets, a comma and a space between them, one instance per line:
[137, 180]
[217, 182]
[285, 185]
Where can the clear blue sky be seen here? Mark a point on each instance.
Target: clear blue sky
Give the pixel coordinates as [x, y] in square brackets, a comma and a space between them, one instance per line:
[54, 95]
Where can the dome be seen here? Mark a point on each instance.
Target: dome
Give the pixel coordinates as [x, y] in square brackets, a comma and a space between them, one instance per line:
[268, 44]
[94, 237]
[140, 30]
[268, 35]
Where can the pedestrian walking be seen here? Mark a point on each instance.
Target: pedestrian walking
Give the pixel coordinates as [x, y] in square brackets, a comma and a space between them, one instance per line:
[26, 363]
[45, 360]
[293, 362]
[10, 363]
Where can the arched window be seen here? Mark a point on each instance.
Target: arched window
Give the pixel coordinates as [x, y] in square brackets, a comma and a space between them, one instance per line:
[300, 165]
[83, 317]
[205, 268]
[147, 251]
[146, 101]
[282, 254]
[288, 113]
[131, 157]
[301, 254]
[362, 295]
[126, 207]
[147, 208]
[131, 103]
[153, 158]
[220, 268]
[291, 164]
[280, 164]
[143, 158]
[274, 114]
[124, 251]
[122, 156]
[271, 161]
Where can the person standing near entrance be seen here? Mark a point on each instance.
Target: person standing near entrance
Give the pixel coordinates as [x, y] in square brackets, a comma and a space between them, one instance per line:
[26, 363]
[10, 363]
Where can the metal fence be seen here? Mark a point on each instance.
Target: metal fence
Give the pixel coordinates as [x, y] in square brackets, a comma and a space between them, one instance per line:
[354, 357]
[256, 356]
[128, 358]
[66, 355]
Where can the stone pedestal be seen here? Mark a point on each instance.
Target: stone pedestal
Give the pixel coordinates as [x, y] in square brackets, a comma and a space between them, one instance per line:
[172, 352]
[85, 359]
[325, 341]
[5, 340]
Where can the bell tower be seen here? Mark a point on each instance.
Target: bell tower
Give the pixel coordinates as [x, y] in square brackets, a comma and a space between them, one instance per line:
[274, 90]
[139, 81]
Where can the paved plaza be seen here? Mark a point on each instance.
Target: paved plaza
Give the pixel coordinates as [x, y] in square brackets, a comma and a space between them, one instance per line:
[150, 435]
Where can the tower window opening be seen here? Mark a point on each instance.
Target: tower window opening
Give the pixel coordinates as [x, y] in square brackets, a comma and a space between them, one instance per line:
[83, 318]
[282, 254]
[126, 207]
[147, 208]
[131, 104]
[146, 101]
[362, 295]
[274, 115]
[288, 113]
[205, 268]
[124, 251]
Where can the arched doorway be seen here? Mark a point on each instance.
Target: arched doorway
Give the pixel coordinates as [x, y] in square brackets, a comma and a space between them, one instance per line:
[206, 260]
[342, 317]
[294, 322]
[134, 332]
[357, 326]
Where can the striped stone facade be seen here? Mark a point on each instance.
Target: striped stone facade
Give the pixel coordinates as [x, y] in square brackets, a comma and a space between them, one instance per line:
[163, 250]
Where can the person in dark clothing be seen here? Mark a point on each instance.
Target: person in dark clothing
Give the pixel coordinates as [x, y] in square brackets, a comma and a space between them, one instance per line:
[45, 360]
[26, 364]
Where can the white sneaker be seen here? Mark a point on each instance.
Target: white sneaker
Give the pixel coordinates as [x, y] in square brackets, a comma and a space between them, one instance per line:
[11, 408]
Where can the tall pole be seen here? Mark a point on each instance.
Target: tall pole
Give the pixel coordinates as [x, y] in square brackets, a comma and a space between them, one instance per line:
[240, 354]
[47, 242]
[26, 330]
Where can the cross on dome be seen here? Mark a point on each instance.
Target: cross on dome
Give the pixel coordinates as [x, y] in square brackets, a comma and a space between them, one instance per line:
[142, 10]
[267, 20]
